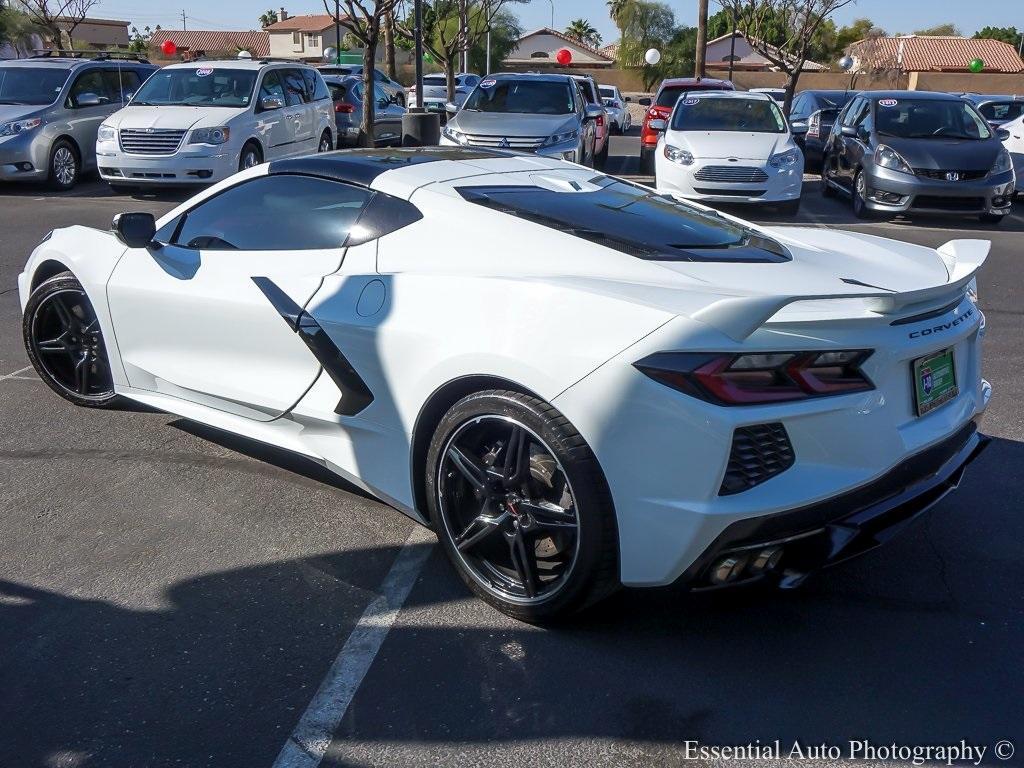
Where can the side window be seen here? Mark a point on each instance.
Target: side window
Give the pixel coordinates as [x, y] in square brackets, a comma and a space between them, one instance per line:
[121, 83]
[852, 112]
[294, 87]
[380, 95]
[799, 109]
[305, 213]
[471, 81]
[315, 85]
[92, 82]
[271, 87]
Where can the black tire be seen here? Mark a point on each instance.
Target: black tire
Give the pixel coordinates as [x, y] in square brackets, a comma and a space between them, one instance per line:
[991, 218]
[65, 344]
[789, 208]
[481, 428]
[326, 142]
[827, 190]
[250, 155]
[646, 161]
[601, 160]
[65, 165]
[859, 204]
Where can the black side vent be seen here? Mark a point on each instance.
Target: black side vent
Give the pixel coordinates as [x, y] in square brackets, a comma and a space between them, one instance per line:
[758, 453]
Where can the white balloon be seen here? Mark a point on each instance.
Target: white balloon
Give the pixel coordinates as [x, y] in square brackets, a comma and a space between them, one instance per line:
[653, 56]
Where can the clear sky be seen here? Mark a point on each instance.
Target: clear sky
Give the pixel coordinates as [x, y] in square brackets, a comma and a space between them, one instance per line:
[892, 15]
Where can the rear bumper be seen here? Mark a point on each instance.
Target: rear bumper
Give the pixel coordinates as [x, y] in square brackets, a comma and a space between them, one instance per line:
[989, 195]
[819, 535]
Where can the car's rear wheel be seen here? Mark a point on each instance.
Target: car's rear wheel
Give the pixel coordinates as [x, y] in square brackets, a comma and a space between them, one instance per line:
[326, 144]
[601, 159]
[991, 218]
[65, 343]
[646, 161]
[65, 165]
[522, 509]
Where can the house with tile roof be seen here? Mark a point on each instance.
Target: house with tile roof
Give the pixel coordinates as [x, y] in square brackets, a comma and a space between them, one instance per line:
[747, 55]
[931, 53]
[302, 37]
[199, 42]
[539, 47]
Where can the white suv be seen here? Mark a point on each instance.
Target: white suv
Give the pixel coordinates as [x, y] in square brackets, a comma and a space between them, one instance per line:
[200, 122]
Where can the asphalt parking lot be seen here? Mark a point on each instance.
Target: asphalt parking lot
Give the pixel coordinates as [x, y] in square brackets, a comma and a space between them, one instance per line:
[174, 596]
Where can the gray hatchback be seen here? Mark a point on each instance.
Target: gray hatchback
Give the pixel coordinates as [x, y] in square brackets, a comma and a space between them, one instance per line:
[910, 151]
[50, 109]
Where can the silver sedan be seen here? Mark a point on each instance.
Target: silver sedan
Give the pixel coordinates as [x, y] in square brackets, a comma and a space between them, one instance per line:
[615, 105]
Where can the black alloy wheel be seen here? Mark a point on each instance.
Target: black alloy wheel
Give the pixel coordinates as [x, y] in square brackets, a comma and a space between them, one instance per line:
[65, 343]
[517, 501]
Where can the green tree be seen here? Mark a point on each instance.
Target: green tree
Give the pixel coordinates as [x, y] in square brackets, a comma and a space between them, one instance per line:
[505, 34]
[1004, 34]
[15, 28]
[648, 24]
[860, 29]
[940, 30]
[584, 32]
[267, 18]
[616, 9]
[138, 42]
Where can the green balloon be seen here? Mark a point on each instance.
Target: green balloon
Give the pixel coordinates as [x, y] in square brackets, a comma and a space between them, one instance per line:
[976, 65]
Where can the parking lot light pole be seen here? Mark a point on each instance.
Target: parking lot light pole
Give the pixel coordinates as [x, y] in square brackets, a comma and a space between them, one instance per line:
[337, 31]
[419, 127]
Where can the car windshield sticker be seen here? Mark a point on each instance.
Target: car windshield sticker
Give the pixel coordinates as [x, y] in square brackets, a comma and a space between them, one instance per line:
[691, 102]
[489, 82]
[887, 102]
[203, 72]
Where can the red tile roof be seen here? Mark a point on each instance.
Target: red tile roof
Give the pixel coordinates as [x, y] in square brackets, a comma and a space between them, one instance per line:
[256, 43]
[914, 53]
[310, 23]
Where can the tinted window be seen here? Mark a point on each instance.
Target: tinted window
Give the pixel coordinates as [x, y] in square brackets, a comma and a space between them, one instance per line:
[633, 220]
[294, 87]
[930, 119]
[337, 91]
[31, 85]
[122, 83]
[275, 213]
[434, 80]
[536, 97]
[1002, 110]
[93, 82]
[198, 87]
[855, 112]
[315, 85]
[800, 108]
[272, 87]
[669, 95]
[719, 114]
[607, 93]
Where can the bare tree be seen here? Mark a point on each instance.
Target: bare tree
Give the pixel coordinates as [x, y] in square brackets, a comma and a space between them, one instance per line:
[389, 45]
[876, 61]
[793, 23]
[700, 54]
[452, 27]
[364, 21]
[58, 18]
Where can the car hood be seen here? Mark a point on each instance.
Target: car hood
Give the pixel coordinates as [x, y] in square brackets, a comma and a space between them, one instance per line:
[9, 112]
[943, 154]
[181, 118]
[715, 145]
[503, 124]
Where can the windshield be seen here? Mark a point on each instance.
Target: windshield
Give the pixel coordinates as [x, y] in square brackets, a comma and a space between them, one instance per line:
[31, 85]
[930, 119]
[720, 114]
[631, 219]
[533, 97]
[200, 87]
[1002, 111]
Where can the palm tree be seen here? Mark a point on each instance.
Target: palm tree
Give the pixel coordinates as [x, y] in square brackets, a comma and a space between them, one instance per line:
[617, 9]
[268, 18]
[584, 32]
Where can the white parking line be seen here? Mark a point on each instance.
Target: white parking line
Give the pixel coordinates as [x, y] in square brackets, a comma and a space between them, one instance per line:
[16, 374]
[307, 744]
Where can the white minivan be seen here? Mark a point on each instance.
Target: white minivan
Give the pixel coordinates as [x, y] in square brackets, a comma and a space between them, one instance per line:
[200, 122]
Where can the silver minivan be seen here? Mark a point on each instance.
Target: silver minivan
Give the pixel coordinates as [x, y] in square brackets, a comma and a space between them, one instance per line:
[51, 108]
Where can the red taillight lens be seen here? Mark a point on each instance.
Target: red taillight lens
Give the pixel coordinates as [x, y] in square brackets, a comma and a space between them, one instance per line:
[764, 377]
[600, 120]
[343, 108]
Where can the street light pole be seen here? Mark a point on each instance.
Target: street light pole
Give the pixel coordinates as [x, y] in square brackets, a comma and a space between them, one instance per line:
[732, 44]
[552, 13]
[337, 31]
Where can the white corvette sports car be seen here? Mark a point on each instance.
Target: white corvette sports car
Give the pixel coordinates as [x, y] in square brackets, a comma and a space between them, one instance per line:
[595, 385]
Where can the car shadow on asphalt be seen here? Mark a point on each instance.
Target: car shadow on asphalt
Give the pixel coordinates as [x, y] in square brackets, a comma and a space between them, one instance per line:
[915, 643]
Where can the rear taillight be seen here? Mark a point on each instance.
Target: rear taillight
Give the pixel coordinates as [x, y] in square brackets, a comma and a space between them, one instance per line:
[343, 108]
[600, 121]
[765, 377]
[814, 126]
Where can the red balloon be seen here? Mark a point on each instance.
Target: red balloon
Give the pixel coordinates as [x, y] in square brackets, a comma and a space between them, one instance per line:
[564, 56]
[169, 48]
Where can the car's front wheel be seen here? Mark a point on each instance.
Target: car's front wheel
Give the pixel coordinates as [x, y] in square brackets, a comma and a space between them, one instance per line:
[326, 143]
[860, 197]
[65, 343]
[64, 165]
[520, 504]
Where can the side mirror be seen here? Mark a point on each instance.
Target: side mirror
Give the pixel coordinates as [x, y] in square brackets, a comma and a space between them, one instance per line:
[136, 230]
[593, 111]
[657, 125]
[271, 102]
[1002, 134]
[87, 100]
[798, 126]
[644, 102]
[450, 108]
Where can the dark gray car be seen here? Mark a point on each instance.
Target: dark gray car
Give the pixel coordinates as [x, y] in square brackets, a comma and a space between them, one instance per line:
[348, 96]
[910, 151]
[811, 118]
[391, 87]
[51, 108]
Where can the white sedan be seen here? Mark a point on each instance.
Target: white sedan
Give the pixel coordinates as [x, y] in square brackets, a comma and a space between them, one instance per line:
[728, 146]
[593, 385]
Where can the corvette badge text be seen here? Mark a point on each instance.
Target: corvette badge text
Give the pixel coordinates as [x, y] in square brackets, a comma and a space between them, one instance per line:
[960, 753]
[944, 326]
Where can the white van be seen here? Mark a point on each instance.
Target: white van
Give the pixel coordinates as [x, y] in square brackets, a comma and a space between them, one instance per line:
[200, 122]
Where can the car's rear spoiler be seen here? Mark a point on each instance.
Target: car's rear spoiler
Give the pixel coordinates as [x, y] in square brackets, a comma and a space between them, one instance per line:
[739, 316]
